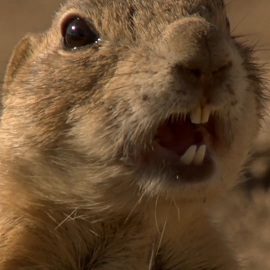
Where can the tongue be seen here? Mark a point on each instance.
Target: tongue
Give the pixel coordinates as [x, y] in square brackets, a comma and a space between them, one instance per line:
[178, 135]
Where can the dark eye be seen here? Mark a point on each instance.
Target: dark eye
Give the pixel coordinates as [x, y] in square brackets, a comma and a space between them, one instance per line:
[78, 33]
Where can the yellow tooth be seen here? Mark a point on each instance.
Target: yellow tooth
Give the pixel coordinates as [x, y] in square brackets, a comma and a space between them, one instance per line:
[196, 115]
[205, 114]
[188, 156]
[200, 155]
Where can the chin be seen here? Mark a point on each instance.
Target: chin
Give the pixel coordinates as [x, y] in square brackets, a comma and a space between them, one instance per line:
[192, 156]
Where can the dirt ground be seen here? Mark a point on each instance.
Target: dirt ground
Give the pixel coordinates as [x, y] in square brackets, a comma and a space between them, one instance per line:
[246, 215]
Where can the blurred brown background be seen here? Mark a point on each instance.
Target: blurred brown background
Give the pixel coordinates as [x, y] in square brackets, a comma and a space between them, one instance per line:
[19, 17]
[246, 215]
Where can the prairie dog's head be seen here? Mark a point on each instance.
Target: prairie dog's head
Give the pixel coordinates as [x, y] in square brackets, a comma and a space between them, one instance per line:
[124, 99]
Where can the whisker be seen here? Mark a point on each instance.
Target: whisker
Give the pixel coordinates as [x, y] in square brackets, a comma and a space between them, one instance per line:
[177, 209]
[156, 219]
[152, 257]
[133, 209]
[162, 233]
[66, 219]
[246, 15]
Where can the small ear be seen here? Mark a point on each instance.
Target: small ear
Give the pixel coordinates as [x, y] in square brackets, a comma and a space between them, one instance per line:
[20, 55]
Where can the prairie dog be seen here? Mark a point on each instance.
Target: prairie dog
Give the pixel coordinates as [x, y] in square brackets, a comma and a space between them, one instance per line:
[120, 125]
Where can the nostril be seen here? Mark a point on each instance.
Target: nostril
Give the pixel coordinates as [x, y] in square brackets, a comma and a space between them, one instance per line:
[223, 68]
[196, 73]
[203, 75]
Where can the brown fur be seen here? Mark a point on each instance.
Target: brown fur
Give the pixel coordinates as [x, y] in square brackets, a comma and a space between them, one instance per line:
[75, 190]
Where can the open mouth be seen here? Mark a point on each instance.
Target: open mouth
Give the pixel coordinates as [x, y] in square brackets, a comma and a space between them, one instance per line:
[185, 145]
[188, 136]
